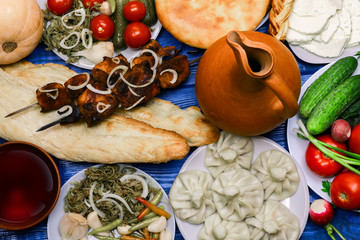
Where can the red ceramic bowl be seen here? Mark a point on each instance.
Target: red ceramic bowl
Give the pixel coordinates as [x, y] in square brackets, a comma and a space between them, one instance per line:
[29, 185]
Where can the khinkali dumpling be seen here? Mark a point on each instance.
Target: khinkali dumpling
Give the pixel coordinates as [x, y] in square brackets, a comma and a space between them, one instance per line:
[215, 228]
[277, 173]
[274, 222]
[237, 194]
[190, 196]
[229, 152]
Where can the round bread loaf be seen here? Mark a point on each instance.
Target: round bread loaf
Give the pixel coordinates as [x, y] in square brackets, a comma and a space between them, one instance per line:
[200, 23]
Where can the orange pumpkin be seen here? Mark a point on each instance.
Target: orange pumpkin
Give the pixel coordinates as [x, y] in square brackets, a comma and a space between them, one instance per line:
[21, 26]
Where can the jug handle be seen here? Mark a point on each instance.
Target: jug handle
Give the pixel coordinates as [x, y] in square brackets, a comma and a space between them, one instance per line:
[282, 91]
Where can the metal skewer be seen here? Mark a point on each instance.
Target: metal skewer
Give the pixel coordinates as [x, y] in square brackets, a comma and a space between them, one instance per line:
[21, 110]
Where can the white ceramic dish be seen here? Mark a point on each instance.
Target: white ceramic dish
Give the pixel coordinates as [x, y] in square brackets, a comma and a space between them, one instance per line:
[297, 146]
[128, 52]
[297, 203]
[309, 57]
[58, 211]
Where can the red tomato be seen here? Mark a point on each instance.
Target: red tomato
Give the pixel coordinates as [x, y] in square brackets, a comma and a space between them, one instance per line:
[102, 27]
[136, 34]
[90, 3]
[59, 7]
[318, 162]
[134, 11]
[354, 140]
[345, 191]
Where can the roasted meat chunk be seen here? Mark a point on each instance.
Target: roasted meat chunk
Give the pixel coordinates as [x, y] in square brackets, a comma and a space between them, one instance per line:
[139, 85]
[96, 103]
[76, 85]
[173, 71]
[102, 70]
[52, 96]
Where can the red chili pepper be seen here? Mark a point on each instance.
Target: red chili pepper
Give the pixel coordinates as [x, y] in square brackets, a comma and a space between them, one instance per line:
[143, 213]
[154, 208]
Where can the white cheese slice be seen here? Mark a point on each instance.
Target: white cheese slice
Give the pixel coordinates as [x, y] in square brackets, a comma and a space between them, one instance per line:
[308, 24]
[316, 7]
[355, 32]
[330, 29]
[296, 38]
[353, 6]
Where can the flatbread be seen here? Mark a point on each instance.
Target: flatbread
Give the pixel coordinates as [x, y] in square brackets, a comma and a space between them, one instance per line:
[117, 139]
[200, 23]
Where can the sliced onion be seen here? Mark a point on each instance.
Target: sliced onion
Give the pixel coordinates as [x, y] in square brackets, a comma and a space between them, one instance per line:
[91, 88]
[62, 42]
[117, 197]
[121, 214]
[116, 60]
[78, 12]
[156, 58]
[139, 86]
[175, 75]
[102, 107]
[48, 92]
[81, 85]
[132, 92]
[122, 67]
[86, 203]
[91, 199]
[135, 104]
[83, 38]
[140, 179]
[65, 111]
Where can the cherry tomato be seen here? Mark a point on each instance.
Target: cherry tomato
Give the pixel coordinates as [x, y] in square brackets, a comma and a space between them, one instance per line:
[91, 3]
[102, 27]
[134, 11]
[354, 140]
[345, 191]
[136, 34]
[318, 162]
[59, 7]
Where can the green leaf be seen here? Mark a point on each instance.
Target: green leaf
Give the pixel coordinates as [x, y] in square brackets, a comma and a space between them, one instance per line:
[326, 187]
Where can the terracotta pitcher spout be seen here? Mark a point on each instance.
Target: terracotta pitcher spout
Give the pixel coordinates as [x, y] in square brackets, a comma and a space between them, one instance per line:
[248, 83]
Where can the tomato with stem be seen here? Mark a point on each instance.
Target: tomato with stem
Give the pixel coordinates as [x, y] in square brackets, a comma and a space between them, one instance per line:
[354, 140]
[136, 34]
[345, 191]
[320, 163]
[91, 3]
[134, 11]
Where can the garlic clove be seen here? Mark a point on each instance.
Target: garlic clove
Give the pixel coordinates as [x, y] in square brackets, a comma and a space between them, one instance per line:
[94, 222]
[124, 229]
[158, 225]
[97, 52]
[73, 226]
[165, 234]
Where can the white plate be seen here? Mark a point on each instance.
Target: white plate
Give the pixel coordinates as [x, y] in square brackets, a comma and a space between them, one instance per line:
[58, 211]
[128, 52]
[297, 203]
[315, 59]
[297, 146]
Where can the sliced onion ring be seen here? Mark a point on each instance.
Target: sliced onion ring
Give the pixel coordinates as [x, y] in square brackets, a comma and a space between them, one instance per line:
[78, 12]
[117, 197]
[65, 111]
[141, 180]
[174, 73]
[156, 58]
[81, 85]
[122, 67]
[91, 88]
[91, 200]
[133, 92]
[83, 38]
[49, 91]
[135, 104]
[121, 214]
[139, 86]
[62, 42]
[102, 107]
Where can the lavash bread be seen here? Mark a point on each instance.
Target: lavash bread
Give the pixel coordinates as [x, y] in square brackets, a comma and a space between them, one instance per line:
[117, 139]
[200, 23]
[279, 18]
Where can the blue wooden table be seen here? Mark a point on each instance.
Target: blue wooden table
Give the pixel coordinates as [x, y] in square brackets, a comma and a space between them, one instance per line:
[347, 222]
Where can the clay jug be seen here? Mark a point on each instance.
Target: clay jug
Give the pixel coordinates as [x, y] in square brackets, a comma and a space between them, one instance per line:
[248, 83]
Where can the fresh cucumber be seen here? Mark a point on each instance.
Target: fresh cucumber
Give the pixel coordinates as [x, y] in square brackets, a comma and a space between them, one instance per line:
[120, 25]
[352, 111]
[333, 105]
[333, 76]
[150, 17]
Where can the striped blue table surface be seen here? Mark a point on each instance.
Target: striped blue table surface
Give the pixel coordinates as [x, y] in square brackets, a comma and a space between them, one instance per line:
[348, 222]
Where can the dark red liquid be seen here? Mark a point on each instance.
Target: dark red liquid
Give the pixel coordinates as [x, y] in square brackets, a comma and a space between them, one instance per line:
[26, 184]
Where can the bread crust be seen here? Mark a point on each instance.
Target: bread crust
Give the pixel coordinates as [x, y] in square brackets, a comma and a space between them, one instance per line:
[279, 18]
[200, 23]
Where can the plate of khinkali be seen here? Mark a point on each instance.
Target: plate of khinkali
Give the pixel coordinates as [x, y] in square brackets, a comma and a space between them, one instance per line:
[231, 188]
